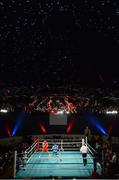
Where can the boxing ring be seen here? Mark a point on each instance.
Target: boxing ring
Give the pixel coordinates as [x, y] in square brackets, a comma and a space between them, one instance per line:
[70, 166]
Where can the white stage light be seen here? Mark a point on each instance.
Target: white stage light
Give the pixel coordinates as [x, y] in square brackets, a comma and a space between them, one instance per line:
[112, 112]
[4, 110]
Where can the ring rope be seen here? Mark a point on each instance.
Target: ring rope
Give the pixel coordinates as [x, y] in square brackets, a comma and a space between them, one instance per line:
[32, 145]
[56, 169]
[64, 158]
[91, 148]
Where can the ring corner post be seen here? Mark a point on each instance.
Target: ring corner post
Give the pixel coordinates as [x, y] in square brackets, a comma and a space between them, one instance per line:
[14, 165]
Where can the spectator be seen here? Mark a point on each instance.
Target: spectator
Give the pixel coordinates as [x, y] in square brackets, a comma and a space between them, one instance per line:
[87, 133]
[95, 175]
[18, 163]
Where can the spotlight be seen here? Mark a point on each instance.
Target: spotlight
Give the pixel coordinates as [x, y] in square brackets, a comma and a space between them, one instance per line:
[59, 112]
[112, 112]
[3, 110]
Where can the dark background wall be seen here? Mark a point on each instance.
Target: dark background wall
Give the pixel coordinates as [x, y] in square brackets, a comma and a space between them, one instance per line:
[38, 123]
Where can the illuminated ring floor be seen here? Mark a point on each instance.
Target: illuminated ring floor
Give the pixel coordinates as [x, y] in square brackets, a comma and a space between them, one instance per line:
[70, 166]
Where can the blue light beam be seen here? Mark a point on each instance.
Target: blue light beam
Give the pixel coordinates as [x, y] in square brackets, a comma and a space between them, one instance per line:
[93, 120]
[19, 121]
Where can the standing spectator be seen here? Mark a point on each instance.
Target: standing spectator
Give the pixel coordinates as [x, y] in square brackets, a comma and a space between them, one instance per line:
[18, 163]
[114, 158]
[95, 174]
[87, 132]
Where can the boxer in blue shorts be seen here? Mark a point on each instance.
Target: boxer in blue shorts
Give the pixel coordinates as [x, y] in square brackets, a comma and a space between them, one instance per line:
[55, 151]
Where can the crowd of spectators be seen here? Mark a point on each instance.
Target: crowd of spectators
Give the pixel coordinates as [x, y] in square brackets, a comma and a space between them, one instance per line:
[7, 157]
[45, 98]
[107, 156]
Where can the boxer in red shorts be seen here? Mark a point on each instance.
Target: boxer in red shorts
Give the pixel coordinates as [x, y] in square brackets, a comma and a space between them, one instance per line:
[45, 148]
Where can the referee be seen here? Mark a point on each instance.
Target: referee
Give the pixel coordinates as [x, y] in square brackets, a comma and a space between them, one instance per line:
[83, 150]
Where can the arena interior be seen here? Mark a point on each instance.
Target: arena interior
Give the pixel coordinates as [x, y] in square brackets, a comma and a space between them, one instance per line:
[67, 117]
[59, 89]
